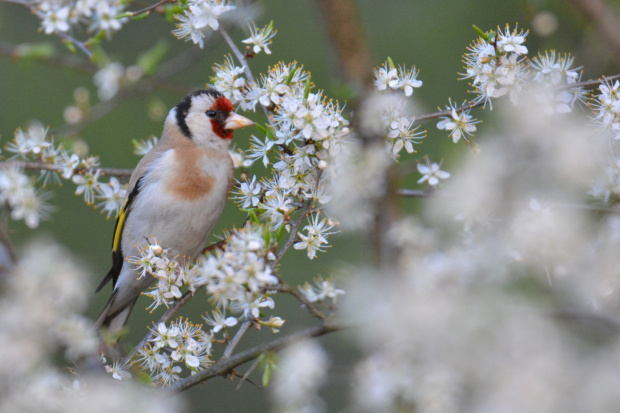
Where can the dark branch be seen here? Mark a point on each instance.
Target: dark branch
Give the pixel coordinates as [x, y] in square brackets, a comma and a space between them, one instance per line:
[225, 366]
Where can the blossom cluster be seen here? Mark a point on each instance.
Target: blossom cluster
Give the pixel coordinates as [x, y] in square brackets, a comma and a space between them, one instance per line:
[170, 276]
[63, 16]
[238, 276]
[496, 65]
[397, 123]
[198, 18]
[461, 124]
[35, 144]
[306, 130]
[606, 107]
[42, 299]
[553, 70]
[174, 346]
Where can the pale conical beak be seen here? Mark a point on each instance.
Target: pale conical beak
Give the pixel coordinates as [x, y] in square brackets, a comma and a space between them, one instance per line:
[236, 121]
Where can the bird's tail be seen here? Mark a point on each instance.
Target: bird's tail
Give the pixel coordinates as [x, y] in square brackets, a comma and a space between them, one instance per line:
[114, 317]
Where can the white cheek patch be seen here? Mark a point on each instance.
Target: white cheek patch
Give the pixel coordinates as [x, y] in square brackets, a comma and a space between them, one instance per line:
[198, 124]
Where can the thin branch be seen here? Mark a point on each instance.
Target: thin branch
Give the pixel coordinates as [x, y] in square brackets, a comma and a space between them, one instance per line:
[149, 9]
[237, 338]
[38, 166]
[225, 366]
[287, 289]
[414, 193]
[80, 45]
[293, 234]
[61, 61]
[244, 62]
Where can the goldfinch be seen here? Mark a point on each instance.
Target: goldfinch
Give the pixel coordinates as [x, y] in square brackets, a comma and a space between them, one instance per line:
[175, 195]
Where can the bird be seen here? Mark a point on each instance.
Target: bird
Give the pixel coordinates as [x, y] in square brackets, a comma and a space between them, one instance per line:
[175, 195]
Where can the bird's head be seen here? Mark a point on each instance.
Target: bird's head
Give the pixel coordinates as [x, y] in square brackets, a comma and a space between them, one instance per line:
[208, 118]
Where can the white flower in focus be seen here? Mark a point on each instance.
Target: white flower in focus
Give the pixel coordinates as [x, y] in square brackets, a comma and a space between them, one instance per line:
[460, 124]
[87, 184]
[219, 321]
[248, 193]
[316, 237]
[70, 163]
[166, 337]
[408, 79]
[207, 12]
[512, 42]
[112, 196]
[386, 77]
[260, 39]
[431, 173]
[260, 150]
[404, 134]
[276, 206]
[187, 29]
[228, 81]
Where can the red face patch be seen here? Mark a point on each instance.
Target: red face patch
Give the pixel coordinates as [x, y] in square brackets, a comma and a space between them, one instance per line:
[219, 130]
[222, 105]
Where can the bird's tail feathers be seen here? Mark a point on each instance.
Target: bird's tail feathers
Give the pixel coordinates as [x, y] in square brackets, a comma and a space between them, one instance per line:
[113, 319]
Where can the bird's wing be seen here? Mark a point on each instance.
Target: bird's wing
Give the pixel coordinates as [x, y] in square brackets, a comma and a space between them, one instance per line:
[133, 190]
[117, 252]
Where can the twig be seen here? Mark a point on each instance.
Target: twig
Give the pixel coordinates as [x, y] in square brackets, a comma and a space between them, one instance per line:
[38, 166]
[149, 9]
[247, 373]
[293, 235]
[225, 366]
[287, 289]
[62, 61]
[414, 193]
[244, 62]
[80, 45]
[237, 338]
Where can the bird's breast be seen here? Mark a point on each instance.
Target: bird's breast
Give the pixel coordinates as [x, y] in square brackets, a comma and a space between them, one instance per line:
[196, 173]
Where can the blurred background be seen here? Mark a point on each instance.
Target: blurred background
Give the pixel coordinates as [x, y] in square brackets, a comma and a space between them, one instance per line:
[430, 34]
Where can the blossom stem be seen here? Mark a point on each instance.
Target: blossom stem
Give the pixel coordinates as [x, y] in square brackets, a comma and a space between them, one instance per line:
[149, 9]
[237, 338]
[244, 62]
[285, 288]
[38, 166]
[293, 235]
[226, 365]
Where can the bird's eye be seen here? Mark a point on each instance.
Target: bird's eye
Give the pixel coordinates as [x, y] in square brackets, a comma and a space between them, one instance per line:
[211, 113]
